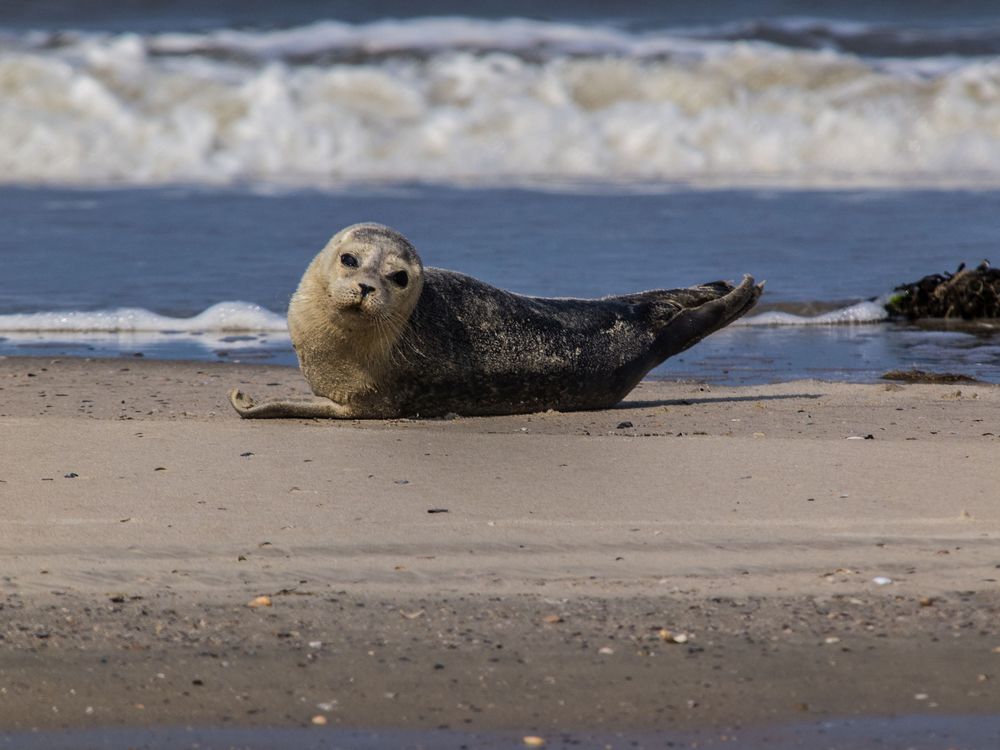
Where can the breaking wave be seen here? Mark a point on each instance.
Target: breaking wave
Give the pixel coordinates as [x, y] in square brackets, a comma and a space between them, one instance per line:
[860, 313]
[223, 317]
[465, 100]
[243, 317]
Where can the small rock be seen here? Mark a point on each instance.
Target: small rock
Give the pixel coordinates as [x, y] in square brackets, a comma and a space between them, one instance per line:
[71, 475]
[319, 720]
[668, 637]
[606, 650]
[532, 740]
[552, 619]
[259, 601]
[624, 425]
[437, 510]
[881, 581]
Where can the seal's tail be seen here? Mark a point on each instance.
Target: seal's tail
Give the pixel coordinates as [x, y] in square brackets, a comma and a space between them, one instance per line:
[689, 315]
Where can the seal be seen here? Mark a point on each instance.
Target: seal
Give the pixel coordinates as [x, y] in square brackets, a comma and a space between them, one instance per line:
[378, 335]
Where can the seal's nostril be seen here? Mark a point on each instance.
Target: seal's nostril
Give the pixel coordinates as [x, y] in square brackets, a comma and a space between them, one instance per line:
[365, 290]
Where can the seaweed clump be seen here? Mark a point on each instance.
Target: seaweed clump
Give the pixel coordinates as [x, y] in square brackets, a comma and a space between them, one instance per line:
[967, 294]
[923, 376]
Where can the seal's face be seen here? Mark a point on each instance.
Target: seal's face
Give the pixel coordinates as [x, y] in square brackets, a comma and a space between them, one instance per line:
[372, 272]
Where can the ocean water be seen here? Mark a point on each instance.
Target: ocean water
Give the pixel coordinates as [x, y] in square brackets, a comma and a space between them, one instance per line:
[201, 273]
[168, 170]
[858, 733]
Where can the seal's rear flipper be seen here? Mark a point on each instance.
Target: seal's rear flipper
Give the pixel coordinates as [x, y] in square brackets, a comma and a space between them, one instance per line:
[704, 310]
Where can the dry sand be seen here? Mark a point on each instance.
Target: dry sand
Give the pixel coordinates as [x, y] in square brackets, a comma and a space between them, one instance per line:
[513, 573]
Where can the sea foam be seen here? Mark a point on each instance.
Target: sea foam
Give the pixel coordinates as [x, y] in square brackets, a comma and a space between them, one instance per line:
[223, 317]
[860, 313]
[463, 100]
[244, 317]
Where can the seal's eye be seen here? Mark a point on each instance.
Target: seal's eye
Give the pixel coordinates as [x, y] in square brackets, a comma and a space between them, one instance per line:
[400, 278]
[349, 260]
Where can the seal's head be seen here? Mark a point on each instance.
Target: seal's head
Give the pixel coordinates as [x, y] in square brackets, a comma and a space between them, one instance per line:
[352, 307]
[350, 312]
[370, 273]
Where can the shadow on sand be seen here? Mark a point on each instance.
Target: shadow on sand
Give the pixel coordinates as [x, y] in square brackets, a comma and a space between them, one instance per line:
[711, 400]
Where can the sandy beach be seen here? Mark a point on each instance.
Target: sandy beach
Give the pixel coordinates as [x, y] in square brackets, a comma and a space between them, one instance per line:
[696, 557]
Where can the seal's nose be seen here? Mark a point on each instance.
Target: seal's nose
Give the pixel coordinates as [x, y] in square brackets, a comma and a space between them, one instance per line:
[365, 290]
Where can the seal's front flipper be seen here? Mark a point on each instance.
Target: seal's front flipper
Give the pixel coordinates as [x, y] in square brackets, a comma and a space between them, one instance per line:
[307, 408]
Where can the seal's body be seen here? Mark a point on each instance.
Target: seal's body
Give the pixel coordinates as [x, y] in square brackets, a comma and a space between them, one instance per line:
[378, 335]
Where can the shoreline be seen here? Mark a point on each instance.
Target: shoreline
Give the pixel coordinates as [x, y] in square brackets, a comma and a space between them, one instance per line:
[142, 515]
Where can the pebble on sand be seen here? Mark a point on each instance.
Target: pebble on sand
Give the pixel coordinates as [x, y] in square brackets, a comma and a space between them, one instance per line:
[260, 601]
[532, 740]
[668, 637]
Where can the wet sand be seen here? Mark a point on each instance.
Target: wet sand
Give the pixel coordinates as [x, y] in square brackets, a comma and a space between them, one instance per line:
[821, 550]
